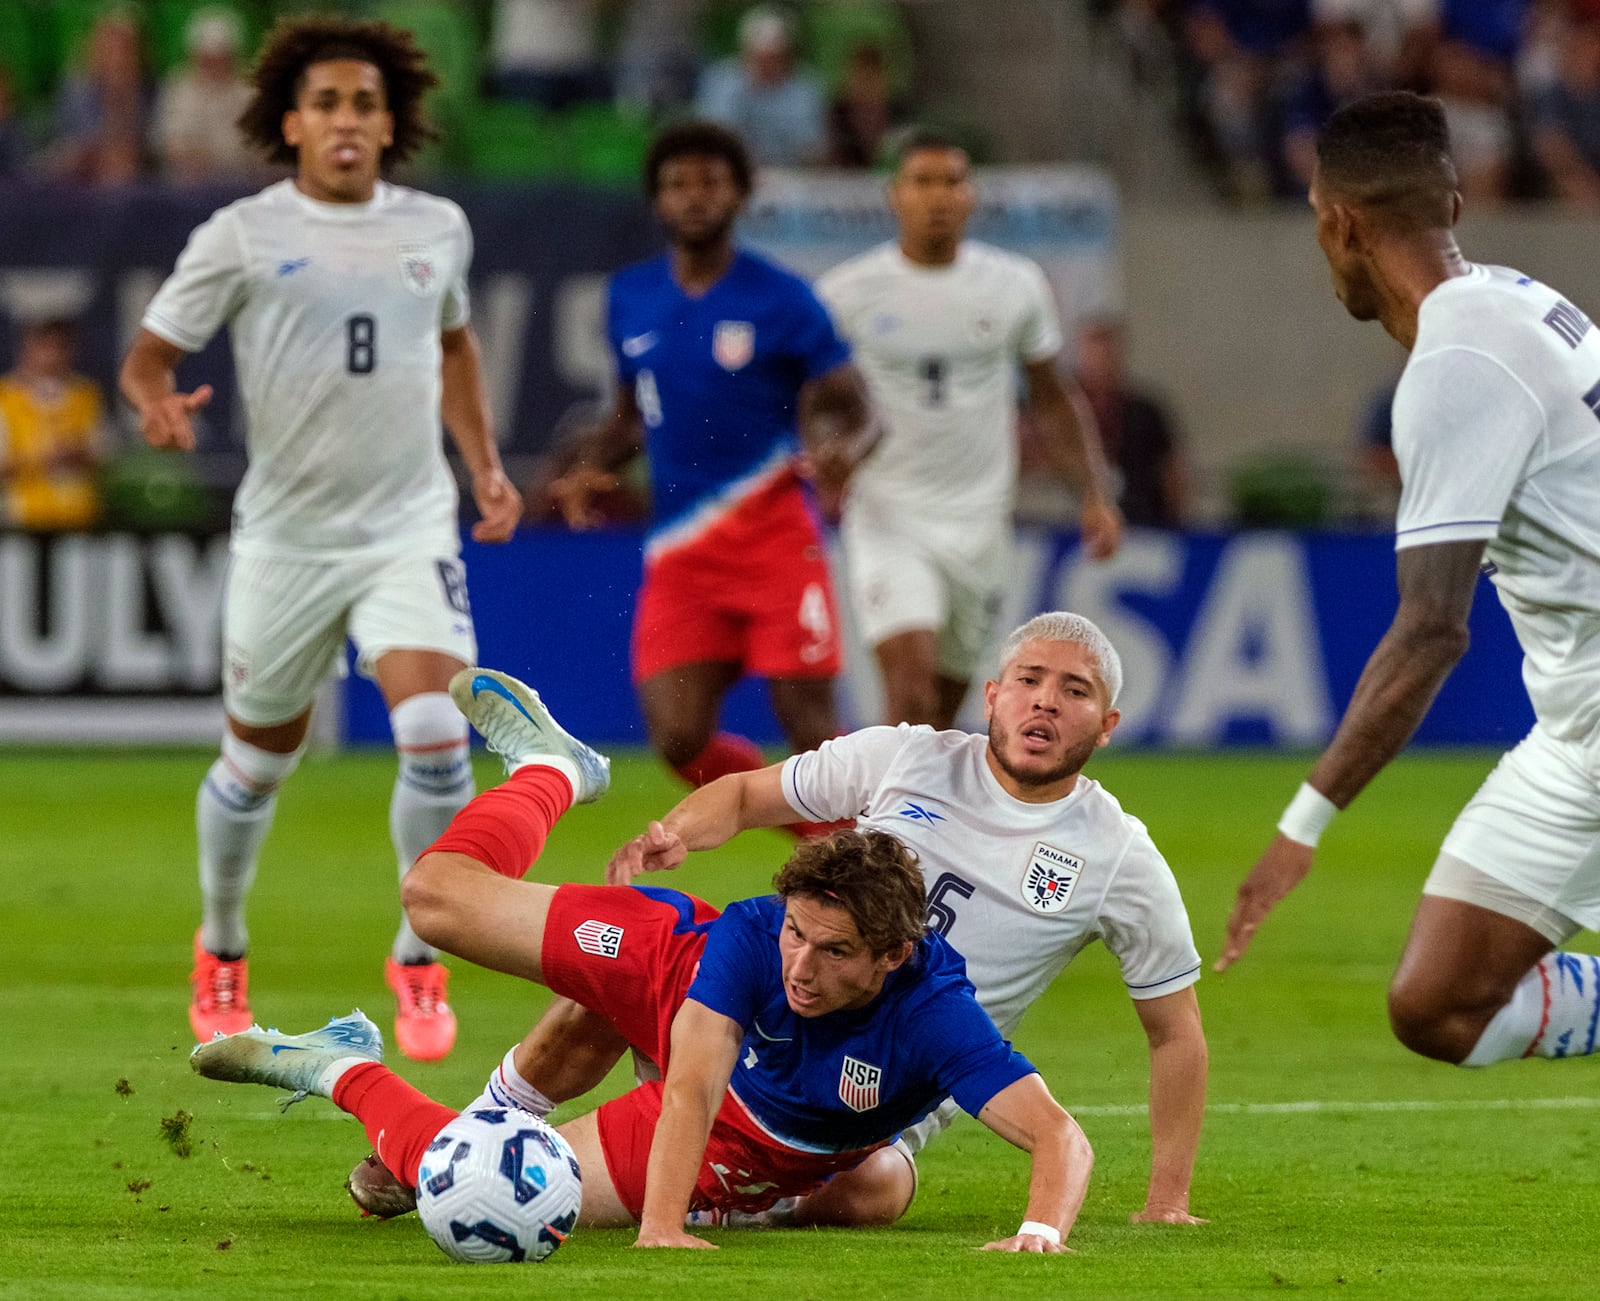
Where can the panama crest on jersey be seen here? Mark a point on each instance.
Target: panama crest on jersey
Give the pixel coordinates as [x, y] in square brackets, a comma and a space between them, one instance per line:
[418, 270]
[733, 343]
[1048, 883]
[858, 1084]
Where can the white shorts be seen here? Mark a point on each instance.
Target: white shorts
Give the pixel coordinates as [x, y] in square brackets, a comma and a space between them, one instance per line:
[1534, 825]
[950, 580]
[285, 622]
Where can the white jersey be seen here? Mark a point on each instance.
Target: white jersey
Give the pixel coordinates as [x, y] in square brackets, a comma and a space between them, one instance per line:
[335, 312]
[939, 347]
[1497, 432]
[1019, 889]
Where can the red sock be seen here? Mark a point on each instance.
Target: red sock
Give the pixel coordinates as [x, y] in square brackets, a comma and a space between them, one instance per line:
[724, 753]
[505, 828]
[400, 1120]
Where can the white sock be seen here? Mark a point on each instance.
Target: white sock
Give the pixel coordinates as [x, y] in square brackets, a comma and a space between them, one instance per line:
[334, 1072]
[1553, 1012]
[434, 782]
[507, 1088]
[232, 814]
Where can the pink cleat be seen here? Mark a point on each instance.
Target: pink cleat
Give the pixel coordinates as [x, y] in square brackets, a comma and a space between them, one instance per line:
[424, 1025]
[221, 1000]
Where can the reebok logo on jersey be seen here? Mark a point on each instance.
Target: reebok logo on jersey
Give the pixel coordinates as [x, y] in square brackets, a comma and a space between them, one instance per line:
[858, 1084]
[919, 814]
[1048, 883]
[289, 268]
[636, 345]
[602, 939]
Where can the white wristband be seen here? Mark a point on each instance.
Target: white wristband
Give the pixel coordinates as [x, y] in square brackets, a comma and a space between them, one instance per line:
[1048, 1232]
[1307, 816]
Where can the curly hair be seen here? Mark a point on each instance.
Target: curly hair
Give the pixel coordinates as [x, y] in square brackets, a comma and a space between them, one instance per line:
[871, 875]
[294, 44]
[693, 138]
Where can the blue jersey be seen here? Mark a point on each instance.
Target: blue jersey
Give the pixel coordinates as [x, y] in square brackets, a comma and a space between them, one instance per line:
[853, 1078]
[717, 380]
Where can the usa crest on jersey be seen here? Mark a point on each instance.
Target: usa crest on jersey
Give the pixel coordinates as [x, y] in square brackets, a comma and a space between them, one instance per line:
[418, 272]
[858, 1084]
[602, 939]
[733, 343]
[1048, 883]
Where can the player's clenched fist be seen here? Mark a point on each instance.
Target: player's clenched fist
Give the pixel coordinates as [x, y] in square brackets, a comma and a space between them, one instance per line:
[657, 850]
[165, 422]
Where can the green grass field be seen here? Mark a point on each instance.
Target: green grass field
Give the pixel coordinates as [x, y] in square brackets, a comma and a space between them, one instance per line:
[1333, 1160]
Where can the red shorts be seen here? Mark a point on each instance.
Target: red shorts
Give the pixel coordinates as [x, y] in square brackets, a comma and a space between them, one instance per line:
[744, 1169]
[753, 590]
[630, 954]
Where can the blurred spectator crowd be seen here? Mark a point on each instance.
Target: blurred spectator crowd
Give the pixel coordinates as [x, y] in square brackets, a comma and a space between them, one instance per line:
[98, 92]
[102, 93]
[1519, 79]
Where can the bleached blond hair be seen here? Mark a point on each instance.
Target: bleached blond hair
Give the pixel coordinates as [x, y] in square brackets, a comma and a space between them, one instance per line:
[1062, 625]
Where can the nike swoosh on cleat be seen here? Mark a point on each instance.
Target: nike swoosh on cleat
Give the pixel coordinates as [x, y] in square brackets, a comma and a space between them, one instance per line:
[482, 685]
[282, 1048]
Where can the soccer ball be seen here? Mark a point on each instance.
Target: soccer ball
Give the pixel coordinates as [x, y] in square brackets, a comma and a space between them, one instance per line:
[498, 1184]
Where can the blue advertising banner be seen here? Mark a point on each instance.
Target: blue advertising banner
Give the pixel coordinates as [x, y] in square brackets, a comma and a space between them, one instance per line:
[1246, 639]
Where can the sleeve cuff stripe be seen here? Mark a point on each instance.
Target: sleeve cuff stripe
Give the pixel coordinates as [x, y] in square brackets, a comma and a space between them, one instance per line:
[1451, 524]
[790, 771]
[171, 333]
[1169, 979]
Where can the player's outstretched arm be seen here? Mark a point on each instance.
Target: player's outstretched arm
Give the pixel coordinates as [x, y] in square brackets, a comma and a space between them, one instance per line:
[1428, 635]
[837, 427]
[1072, 445]
[149, 381]
[587, 467]
[1178, 1060]
[707, 817]
[705, 1045]
[466, 415]
[1025, 1115]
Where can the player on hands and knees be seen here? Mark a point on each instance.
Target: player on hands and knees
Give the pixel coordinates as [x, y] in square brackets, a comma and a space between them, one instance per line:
[940, 325]
[1498, 442]
[728, 367]
[797, 1033]
[347, 304]
[1025, 861]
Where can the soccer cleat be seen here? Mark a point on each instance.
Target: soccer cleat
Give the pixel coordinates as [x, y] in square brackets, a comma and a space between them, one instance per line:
[424, 1024]
[781, 1212]
[297, 1062]
[378, 1192]
[220, 1003]
[515, 724]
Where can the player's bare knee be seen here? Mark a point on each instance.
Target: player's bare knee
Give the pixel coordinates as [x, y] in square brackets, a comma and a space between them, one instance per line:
[1424, 1025]
[424, 897]
[679, 741]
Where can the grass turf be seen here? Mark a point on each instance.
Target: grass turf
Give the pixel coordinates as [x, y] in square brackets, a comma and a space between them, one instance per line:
[131, 1177]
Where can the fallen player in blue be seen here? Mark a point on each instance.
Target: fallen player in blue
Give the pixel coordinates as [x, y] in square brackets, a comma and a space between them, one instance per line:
[798, 1033]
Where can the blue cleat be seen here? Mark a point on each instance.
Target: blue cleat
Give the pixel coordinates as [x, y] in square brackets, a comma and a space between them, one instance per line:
[516, 725]
[297, 1062]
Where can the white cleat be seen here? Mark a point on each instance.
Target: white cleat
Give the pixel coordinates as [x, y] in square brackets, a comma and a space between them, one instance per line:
[297, 1062]
[516, 725]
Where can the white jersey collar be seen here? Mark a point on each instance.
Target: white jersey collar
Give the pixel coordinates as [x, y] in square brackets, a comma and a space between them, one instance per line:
[342, 212]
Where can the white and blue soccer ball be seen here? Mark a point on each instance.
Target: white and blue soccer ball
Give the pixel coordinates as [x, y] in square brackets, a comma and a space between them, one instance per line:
[498, 1184]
